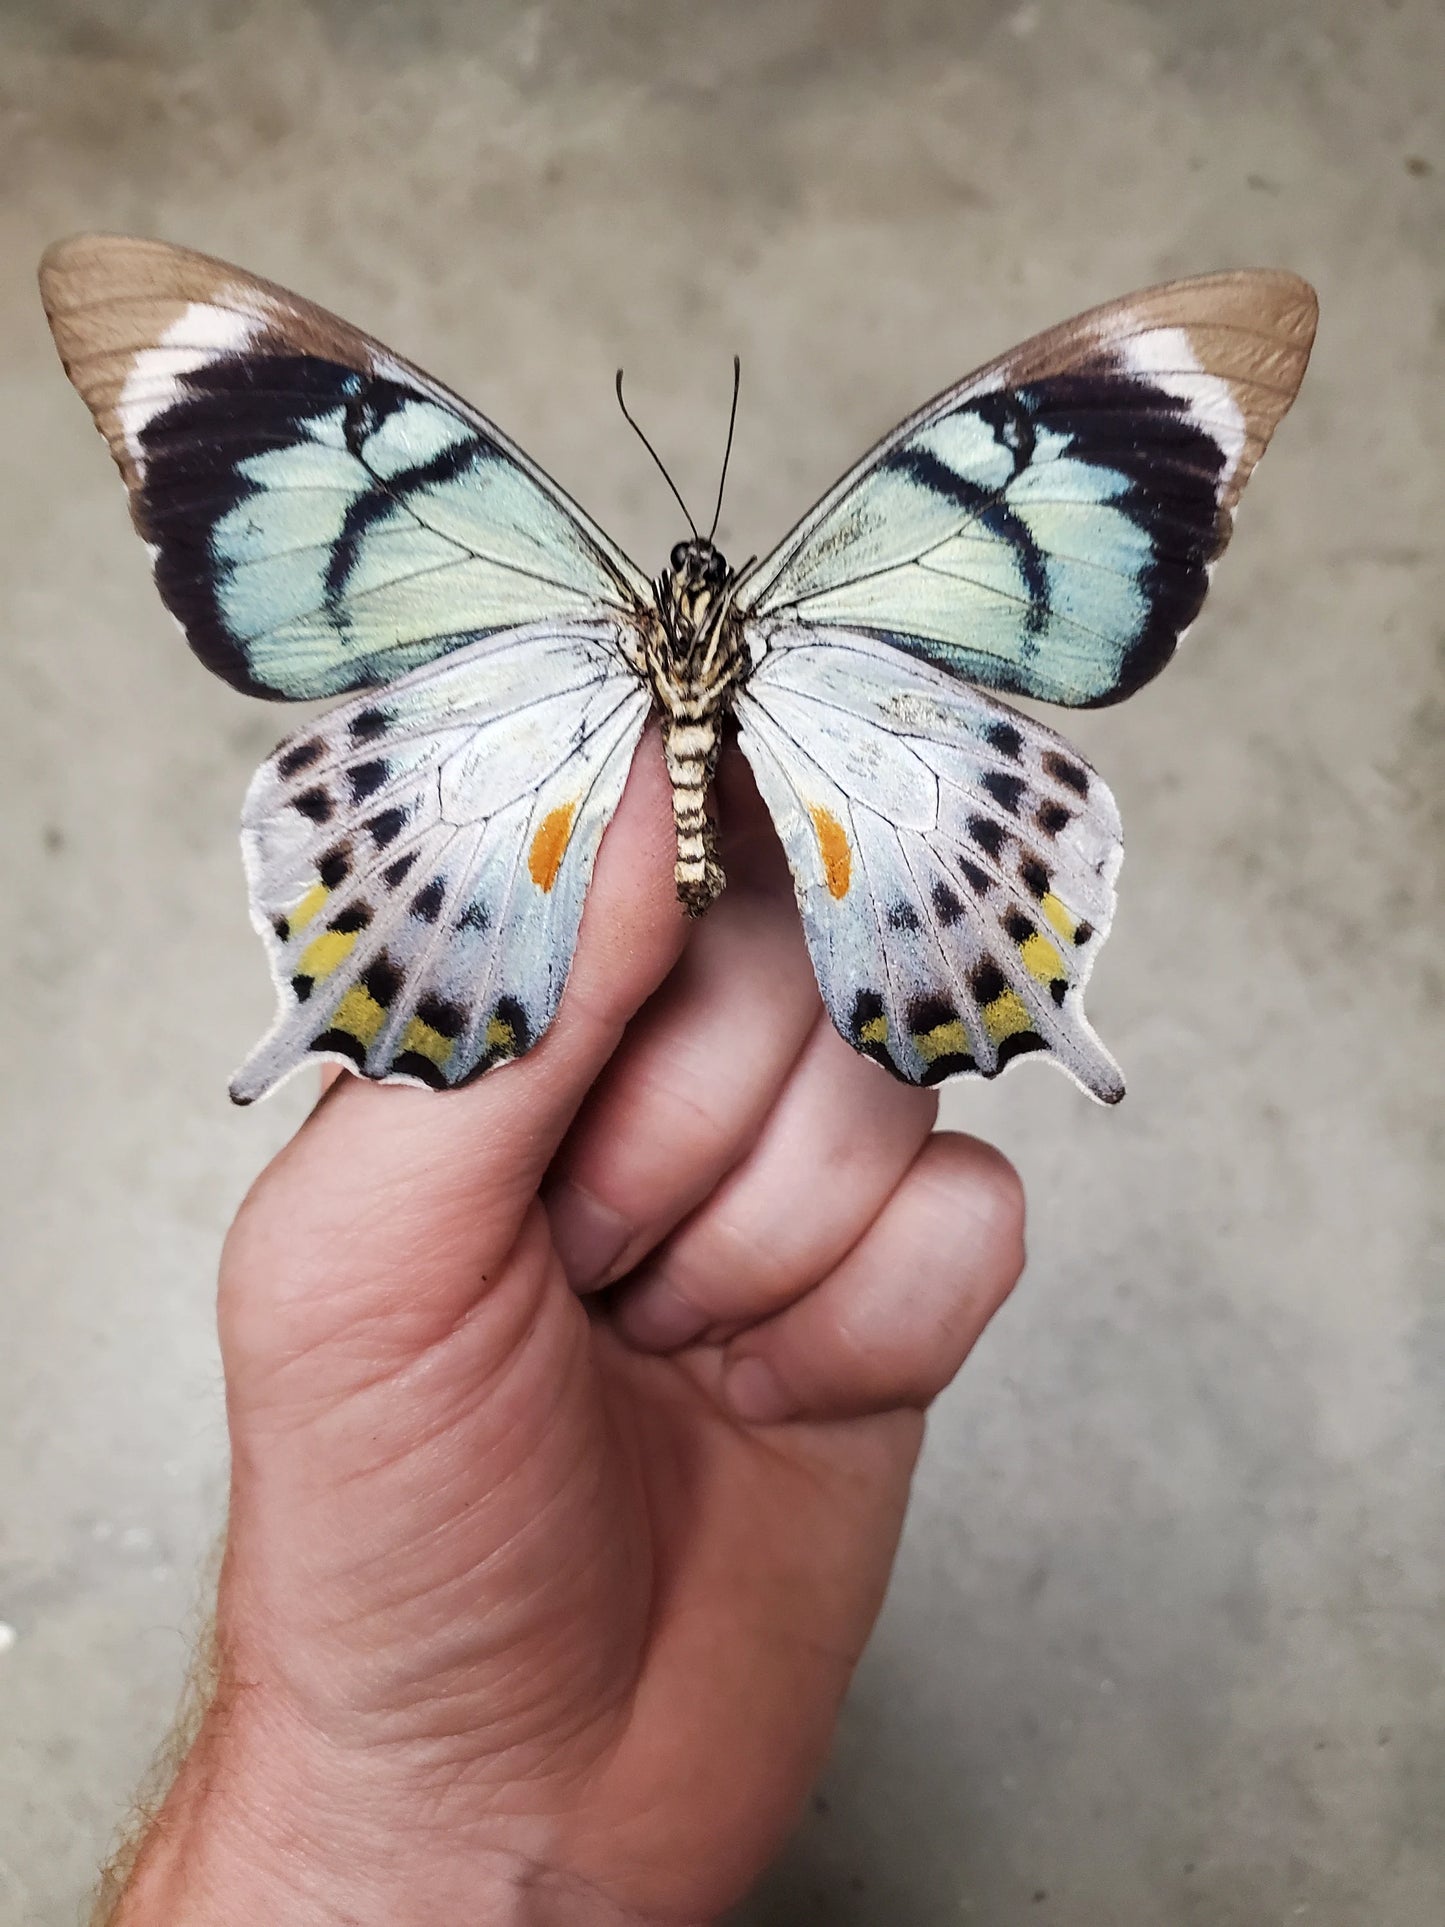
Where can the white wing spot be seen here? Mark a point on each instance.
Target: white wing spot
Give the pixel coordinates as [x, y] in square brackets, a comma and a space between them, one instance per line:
[1166, 357]
[202, 334]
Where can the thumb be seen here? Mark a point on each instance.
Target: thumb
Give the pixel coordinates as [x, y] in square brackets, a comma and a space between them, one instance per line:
[390, 1193]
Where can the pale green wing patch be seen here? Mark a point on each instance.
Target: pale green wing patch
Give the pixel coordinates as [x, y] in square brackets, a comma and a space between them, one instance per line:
[1048, 527]
[322, 516]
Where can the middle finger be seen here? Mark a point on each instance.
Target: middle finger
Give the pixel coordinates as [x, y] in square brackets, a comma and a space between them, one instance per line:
[699, 1070]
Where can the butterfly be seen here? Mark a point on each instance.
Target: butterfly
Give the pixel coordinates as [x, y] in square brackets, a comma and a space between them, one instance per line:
[326, 520]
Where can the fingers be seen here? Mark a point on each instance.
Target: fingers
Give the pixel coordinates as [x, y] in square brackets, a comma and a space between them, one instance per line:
[423, 1192]
[894, 1322]
[835, 1146]
[701, 1068]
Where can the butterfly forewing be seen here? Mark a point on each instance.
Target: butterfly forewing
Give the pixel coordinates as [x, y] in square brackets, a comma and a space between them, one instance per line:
[1047, 527]
[419, 857]
[322, 516]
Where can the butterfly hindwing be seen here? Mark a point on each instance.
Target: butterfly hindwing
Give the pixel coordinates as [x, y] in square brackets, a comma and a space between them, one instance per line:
[322, 516]
[954, 860]
[419, 857]
[1047, 527]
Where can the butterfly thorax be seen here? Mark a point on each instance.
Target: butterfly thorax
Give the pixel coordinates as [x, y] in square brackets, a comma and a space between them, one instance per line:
[695, 659]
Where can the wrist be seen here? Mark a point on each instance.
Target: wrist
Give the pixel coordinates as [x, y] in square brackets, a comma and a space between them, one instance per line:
[281, 1834]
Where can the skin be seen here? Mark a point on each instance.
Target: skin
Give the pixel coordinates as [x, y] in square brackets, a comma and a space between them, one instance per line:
[539, 1600]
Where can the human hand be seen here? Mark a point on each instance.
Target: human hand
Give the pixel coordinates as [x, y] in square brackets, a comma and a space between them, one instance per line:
[539, 1606]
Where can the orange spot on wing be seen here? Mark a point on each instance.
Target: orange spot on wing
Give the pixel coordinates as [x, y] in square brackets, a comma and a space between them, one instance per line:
[834, 850]
[549, 845]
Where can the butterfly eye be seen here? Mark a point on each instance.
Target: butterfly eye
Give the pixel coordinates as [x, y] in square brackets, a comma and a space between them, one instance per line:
[679, 558]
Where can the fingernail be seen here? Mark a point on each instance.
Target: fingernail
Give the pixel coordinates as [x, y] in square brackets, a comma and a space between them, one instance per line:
[589, 1236]
[756, 1393]
[657, 1320]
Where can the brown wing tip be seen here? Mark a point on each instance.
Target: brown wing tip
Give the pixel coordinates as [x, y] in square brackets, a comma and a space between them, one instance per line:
[79, 258]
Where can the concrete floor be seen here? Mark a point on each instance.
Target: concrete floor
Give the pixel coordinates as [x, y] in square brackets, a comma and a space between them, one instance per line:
[1165, 1642]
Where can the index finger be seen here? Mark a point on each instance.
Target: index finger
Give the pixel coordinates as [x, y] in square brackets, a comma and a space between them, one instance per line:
[466, 1163]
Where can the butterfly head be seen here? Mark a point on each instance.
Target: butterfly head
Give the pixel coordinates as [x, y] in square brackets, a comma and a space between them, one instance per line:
[694, 580]
[693, 595]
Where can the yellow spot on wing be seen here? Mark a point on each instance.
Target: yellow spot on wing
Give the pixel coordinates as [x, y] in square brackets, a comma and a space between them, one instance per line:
[1059, 917]
[549, 845]
[359, 1014]
[944, 1040]
[875, 1031]
[308, 906]
[426, 1042]
[1041, 960]
[324, 953]
[500, 1035]
[1005, 1016]
[834, 850]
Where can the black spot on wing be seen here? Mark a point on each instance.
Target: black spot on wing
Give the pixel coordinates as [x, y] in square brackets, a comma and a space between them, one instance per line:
[1004, 789]
[1019, 1045]
[1053, 817]
[1005, 739]
[366, 779]
[300, 756]
[927, 1013]
[1006, 413]
[411, 1063]
[987, 981]
[947, 1064]
[342, 1043]
[386, 827]
[988, 835]
[426, 905]
[446, 1019]
[314, 804]
[979, 881]
[395, 873]
[868, 1010]
[903, 916]
[367, 724]
[356, 916]
[474, 917]
[334, 867]
[1034, 876]
[947, 903]
[1065, 770]
[382, 980]
[1018, 927]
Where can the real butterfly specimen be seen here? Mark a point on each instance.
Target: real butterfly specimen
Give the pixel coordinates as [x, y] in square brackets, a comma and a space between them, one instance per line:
[327, 520]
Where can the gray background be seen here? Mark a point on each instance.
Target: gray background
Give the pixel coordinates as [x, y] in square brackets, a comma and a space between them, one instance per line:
[1165, 1640]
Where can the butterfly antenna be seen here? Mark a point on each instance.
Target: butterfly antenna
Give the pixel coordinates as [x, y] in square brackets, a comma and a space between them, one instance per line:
[628, 417]
[727, 452]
